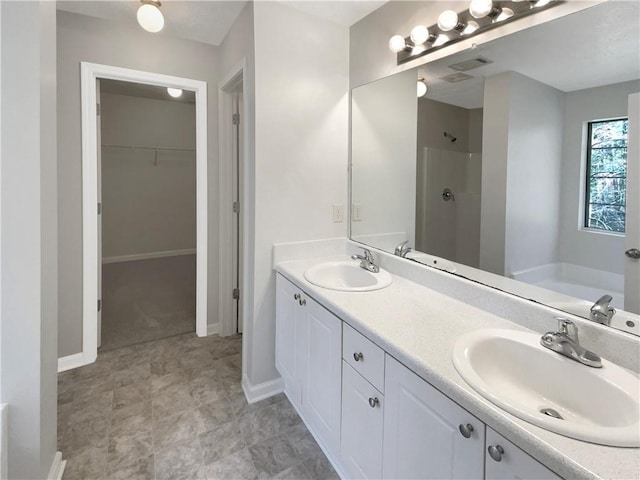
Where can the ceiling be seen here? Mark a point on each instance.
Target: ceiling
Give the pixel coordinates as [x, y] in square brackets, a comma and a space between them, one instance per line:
[586, 49]
[145, 91]
[209, 21]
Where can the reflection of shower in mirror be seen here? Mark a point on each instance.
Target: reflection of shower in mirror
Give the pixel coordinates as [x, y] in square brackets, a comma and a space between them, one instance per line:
[450, 137]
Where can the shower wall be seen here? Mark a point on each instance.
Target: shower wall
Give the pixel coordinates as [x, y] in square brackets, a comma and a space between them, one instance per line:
[449, 229]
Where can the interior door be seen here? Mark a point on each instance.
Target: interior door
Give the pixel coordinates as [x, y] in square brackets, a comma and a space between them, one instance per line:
[632, 227]
[237, 217]
[99, 208]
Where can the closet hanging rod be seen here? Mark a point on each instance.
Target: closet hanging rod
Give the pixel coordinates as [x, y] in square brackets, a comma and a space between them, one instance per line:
[133, 147]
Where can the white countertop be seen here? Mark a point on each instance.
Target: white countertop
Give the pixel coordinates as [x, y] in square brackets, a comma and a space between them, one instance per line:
[419, 326]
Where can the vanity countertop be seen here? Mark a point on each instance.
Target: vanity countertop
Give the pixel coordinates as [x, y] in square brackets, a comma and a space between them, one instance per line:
[419, 327]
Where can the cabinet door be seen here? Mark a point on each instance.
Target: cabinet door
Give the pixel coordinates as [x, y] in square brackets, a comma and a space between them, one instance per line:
[322, 380]
[508, 462]
[289, 344]
[362, 420]
[422, 435]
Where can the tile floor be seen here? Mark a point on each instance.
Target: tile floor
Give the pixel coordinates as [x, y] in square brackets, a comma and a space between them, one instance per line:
[174, 409]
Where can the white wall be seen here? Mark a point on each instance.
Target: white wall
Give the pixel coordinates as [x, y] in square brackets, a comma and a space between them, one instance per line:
[533, 174]
[148, 197]
[578, 246]
[82, 38]
[28, 328]
[301, 107]
[522, 151]
[383, 158]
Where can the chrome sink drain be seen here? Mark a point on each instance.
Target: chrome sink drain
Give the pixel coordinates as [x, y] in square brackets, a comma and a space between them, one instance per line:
[550, 412]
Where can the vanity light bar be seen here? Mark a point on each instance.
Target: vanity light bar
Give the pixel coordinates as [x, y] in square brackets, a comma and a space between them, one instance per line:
[454, 27]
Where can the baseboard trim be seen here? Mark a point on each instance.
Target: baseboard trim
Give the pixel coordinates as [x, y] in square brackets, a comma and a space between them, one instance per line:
[57, 467]
[147, 256]
[255, 393]
[213, 328]
[71, 361]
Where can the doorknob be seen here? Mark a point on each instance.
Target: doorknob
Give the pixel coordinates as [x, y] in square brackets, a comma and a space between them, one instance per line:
[633, 253]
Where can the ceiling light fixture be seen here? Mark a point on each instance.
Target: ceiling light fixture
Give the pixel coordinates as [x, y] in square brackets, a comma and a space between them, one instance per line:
[422, 87]
[452, 26]
[174, 92]
[149, 16]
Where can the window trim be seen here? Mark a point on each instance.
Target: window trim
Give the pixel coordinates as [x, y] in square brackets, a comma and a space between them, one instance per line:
[586, 176]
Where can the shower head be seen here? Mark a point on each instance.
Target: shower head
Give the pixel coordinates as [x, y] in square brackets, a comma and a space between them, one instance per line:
[450, 137]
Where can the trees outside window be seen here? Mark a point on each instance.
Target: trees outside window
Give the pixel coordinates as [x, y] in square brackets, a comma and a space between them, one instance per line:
[605, 198]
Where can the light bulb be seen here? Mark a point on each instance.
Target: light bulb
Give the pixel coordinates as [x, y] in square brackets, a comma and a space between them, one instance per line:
[480, 8]
[419, 34]
[447, 20]
[174, 92]
[150, 18]
[504, 14]
[397, 43]
[470, 28]
[422, 88]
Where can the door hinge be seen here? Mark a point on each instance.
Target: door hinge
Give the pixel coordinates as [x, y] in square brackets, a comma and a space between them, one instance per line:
[99, 208]
[236, 293]
[235, 119]
[236, 207]
[99, 305]
[98, 109]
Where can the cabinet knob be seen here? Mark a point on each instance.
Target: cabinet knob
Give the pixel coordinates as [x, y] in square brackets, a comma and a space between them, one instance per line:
[496, 452]
[374, 402]
[465, 430]
[302, 302]
[296, 296]
[358, 356]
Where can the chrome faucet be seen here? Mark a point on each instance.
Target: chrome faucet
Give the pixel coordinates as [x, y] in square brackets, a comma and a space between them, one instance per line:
[601, 312]
[367, 261]
[565, 342]
[402, 249]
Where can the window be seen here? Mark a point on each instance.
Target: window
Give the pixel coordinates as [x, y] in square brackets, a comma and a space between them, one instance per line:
[605, 197]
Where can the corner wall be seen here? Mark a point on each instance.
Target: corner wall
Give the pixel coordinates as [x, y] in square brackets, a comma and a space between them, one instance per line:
[82, 38]
[28, 314]
[301, 106]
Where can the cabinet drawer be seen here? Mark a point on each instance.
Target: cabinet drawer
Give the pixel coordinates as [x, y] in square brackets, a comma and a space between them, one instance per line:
[364, 356]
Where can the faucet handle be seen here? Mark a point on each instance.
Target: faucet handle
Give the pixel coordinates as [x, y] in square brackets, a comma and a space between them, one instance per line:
[368, 256]
[567, 327]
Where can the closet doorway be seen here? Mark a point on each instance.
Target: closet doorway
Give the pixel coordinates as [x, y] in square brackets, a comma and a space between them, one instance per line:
[147, 193]
[144, 207]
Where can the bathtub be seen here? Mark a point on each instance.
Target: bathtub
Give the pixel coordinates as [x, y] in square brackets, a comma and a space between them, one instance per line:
[575, 281]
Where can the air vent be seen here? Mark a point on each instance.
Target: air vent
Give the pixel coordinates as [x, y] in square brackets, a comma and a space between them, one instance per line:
[456, 77]
[470, 64]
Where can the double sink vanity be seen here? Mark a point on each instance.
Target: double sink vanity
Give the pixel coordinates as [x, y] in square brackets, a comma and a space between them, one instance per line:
[396, 379]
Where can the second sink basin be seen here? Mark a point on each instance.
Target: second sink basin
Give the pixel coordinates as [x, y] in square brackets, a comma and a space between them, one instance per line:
[347, 276]
[512, 370]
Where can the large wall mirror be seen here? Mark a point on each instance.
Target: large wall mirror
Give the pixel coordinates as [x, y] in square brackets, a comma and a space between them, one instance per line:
[511, 170]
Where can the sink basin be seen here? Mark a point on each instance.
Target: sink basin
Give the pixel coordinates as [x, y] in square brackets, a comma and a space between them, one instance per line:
[625, 321]
[347, 276]
[433, 261]
[512, 370]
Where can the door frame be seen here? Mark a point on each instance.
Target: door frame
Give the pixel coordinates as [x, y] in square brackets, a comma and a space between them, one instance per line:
[232, 84]
[89, 73]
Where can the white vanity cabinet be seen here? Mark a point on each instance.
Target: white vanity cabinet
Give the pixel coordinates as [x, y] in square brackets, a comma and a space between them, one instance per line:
[362, 405]
[308, 357]
[505, 461]
[290, 338]
[373, 416]
[426, 434]
[362, 423]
